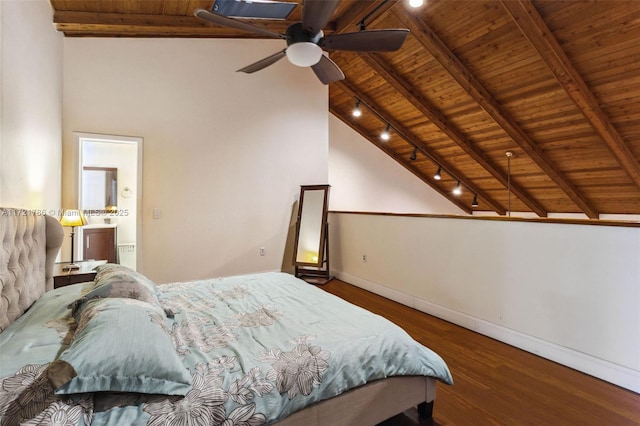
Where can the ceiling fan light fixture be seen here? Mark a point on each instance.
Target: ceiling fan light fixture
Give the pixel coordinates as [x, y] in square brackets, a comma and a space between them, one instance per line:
[304, 54]
[416, 3]
[305, 39]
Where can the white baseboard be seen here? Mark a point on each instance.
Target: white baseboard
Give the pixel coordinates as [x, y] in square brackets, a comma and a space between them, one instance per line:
[619, 375]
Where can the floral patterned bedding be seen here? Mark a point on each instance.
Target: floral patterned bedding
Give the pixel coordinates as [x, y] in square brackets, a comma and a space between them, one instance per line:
[258, 348]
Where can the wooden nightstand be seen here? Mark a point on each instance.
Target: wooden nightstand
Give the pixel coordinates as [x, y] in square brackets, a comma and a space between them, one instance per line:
[85, 273]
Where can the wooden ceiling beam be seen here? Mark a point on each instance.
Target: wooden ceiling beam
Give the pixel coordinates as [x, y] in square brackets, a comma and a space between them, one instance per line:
[408, 136]
[126, 19]
[349, 20]
[430, 40]
[436, 117]
[535, 30]
[96, 22]
[361, 9]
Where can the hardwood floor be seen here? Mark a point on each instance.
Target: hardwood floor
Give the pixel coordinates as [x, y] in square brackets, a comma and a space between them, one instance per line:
[497, 384]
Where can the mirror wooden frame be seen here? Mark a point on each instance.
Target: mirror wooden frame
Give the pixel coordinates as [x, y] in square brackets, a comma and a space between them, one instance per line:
[311, 245]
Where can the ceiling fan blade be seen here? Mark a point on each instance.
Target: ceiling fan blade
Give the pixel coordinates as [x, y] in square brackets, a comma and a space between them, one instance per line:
[327, 71]
[263, 63]
[234, 23]
[386, 40]
[316, 14]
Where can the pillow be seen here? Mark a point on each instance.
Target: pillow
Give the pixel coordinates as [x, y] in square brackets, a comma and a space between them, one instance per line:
[120, 345]
[110, 272]
[119, 281]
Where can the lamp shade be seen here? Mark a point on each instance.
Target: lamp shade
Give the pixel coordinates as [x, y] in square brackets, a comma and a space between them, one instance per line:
[304, 54]
[73, 217]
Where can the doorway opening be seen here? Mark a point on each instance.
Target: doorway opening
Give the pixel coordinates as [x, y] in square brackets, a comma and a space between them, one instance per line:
[110, 194]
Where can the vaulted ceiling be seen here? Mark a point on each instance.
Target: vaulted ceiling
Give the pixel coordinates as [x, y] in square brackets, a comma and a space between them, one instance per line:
[556, 84]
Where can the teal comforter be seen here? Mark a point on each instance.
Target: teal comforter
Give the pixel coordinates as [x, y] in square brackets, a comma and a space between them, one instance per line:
[258, 348]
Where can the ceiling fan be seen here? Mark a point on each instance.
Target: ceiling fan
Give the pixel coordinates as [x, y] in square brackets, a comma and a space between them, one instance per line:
[306, 40]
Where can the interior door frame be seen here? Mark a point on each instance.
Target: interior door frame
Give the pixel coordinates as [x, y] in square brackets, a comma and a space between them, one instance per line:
[79, 138]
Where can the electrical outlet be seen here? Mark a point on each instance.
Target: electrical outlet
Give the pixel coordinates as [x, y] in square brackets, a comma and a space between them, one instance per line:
[261, 251]
[364, 258]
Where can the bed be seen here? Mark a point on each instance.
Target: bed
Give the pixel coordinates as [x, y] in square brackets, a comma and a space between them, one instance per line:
[246, 350]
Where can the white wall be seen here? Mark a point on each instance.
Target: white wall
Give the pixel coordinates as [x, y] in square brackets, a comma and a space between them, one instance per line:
[570, 293]
[363, 178]
[31, 97]
[224, 152]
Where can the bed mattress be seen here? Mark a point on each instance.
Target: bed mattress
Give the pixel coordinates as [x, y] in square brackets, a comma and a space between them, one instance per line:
[250, 350]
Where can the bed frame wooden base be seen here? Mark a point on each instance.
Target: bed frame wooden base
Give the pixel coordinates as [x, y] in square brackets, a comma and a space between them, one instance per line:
[370, 404]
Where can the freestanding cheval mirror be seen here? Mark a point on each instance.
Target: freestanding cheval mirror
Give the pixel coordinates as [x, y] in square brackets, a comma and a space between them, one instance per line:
[311, 247]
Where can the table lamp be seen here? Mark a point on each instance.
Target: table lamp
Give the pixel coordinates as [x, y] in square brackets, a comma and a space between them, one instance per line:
[72, 218]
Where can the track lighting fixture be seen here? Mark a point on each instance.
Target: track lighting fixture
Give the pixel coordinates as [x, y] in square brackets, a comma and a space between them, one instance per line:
[458, 189]
[438, 174]
[357, 112]
[386, 134]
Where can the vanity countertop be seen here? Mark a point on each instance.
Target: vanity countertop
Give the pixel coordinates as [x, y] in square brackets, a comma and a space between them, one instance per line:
[100, 225]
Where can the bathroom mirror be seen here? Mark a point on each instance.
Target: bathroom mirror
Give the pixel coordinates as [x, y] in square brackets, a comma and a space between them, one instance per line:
[311, 248]
[99, 188]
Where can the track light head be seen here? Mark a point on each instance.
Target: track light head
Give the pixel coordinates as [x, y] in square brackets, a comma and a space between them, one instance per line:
[414, 154]
[458, 189]
[438, 174]
[474, 203]
[386, 134]
[357, 112]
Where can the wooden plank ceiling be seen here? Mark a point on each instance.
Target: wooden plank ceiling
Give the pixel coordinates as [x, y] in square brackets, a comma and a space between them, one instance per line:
[555, 83]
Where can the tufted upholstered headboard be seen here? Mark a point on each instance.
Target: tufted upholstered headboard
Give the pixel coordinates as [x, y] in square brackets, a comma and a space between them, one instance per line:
[30, 244]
